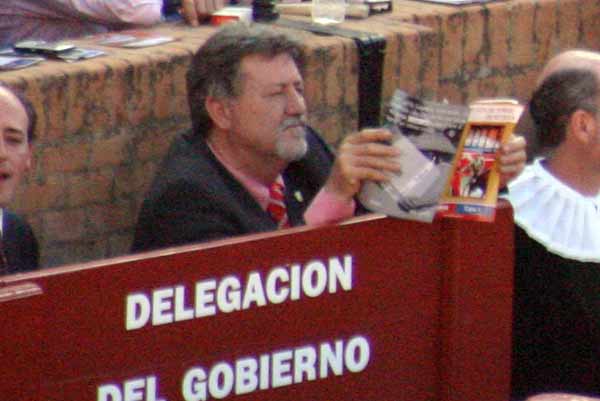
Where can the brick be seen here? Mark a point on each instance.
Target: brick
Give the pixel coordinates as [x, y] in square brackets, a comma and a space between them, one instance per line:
[163, 87]
[410, 62]
[67, 225]
[521, 37]
[523, 85]
[494, 86]
[61, 253]
[41, 194]
[119, 244]
[429, 74]
[179, 102]
[568, 25]
[94, 91]
[545, 31]
[453, 30]
[333, 84]
[66, 158]
[590, 15]
[498, 32]
[89, 187]
[350, 73]
[329, 125]
[153, 145]
[55, 108]
[474, 38]
[140, 94]
[110, 151]
[391, 66]
[451, 92]
[132, 180]
[75, 113]
[111, 217]
[314, 76]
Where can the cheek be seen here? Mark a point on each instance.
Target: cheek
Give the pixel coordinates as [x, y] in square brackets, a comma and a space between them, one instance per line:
[22, 161]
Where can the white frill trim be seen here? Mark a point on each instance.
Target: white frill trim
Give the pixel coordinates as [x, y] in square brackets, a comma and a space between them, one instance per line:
[564, 221]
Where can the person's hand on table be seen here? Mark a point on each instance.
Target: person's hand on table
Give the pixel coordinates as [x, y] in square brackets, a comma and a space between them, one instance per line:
[194, 11]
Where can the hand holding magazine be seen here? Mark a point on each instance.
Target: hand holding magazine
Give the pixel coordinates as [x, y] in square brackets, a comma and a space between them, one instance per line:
[436, 157]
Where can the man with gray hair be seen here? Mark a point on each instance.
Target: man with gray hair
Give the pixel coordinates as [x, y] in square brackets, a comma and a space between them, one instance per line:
[251, 163]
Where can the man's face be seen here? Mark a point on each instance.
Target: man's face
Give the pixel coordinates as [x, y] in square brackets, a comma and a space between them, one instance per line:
[15, 149]
[268, 115]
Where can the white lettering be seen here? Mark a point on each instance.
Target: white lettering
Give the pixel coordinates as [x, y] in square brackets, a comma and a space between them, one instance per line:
[357, 354]
[304, 364]
[137, 311]
[277, 369]
[254, 291]
[193, 387]
[205, 296]
[245, 373]
[314, 279]
[331, 360]
[340, 274]
[281, 368]
[228, 294]
[181, 311]
[137, 389]
[109, 392]
[162, 305]
[231, 293]
[220, 380]
[274, 295]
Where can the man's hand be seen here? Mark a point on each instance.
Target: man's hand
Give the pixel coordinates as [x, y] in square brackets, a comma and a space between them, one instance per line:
[362, 156]
[511, 159]
[194, 11]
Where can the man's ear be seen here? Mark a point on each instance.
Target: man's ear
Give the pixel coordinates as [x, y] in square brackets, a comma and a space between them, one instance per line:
[584, 126]
[219, 111]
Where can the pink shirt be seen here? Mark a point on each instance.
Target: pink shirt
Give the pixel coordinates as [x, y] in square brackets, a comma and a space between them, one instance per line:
[59, 19]
[324, 209]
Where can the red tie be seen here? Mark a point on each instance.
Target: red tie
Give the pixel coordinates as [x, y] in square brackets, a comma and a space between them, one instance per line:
[276, 207]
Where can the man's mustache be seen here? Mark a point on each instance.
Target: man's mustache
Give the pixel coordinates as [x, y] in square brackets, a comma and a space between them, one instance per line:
[292, 122]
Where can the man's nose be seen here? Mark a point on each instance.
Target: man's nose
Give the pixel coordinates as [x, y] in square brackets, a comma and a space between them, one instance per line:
[3, 149]
[295, 103]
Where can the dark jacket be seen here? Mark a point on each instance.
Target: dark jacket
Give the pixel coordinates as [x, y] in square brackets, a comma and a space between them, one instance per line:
[194, 198]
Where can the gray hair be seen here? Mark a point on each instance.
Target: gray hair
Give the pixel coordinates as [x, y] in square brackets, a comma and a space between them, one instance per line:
[215, 68]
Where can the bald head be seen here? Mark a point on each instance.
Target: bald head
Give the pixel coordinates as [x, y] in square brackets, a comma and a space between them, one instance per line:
[571, 59]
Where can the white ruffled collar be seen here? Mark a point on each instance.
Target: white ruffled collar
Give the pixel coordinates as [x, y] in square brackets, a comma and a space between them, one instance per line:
[564, 221]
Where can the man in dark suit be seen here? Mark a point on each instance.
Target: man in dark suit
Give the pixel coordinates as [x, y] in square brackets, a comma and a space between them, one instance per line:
[246, 99]
[249, 143]
[19, 248]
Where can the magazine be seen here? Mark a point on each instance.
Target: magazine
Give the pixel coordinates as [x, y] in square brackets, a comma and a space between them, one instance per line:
[432, 135]
[472, 188]
[132, 39]
[428, 133]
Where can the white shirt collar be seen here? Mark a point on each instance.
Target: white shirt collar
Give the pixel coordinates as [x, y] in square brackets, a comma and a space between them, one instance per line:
[554, 214]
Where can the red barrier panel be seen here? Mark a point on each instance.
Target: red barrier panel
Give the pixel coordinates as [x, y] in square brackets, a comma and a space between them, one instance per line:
[376, 309]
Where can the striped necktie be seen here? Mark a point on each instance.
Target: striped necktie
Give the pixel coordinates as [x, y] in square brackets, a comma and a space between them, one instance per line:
[276, 206]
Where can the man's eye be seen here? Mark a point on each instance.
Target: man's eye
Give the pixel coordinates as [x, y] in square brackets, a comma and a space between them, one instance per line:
[15, 140]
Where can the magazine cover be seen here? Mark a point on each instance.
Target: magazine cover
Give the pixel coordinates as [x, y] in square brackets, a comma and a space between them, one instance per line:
[428, 133]
[472, 187]
[131, 39]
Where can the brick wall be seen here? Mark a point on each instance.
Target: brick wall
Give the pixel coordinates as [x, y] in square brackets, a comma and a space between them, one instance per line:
[106, 123]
